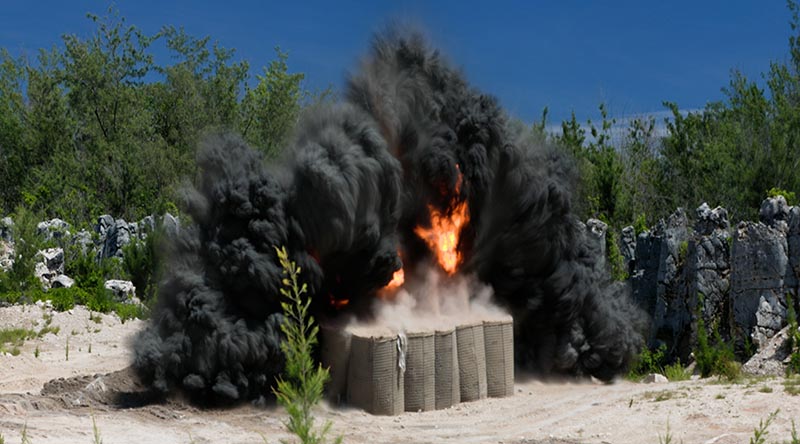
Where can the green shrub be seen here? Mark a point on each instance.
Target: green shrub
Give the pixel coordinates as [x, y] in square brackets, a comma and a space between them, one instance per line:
[648, 361]
[301, 387]
[713, 355]
[142, 265]
[640, 224]
[790, 196]
[676, 372]
[619, 269]
[794, 337]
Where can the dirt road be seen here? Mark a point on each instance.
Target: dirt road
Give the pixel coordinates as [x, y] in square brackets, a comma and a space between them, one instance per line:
[54, 410]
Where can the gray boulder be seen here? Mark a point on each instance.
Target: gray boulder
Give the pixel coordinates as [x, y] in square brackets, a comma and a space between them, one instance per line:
[793, 244]
[7, 253]
[171, 224]
[83, 239]
[115, 236]
[53, 229]
[49, 265]
[774, 212]
[7, 229]
[124, 291]
[596, 241]
[627, 246]
[62, 281]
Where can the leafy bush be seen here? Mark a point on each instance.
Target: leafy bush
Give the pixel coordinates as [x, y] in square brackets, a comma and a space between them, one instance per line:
[142, 265]
[648, 361]
[794, 337]
[676, 372]
[713, 355]
[640, 224]
[790, 196]
[301, 388]
[619, 269]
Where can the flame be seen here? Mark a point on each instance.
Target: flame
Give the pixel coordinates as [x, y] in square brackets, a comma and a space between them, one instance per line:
[398, 278]
[443, 235]
[337, 303]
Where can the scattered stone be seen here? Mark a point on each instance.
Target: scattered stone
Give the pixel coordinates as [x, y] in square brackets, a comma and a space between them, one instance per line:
[123, 291]
[596, 239]
[62, 281]
[772, 357]
[655, 378]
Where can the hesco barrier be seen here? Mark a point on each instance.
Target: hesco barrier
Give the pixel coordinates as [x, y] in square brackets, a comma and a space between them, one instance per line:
[386, 373]
[335, 351]
[374, 379]
[448, 389]
[471, 361]
[420, 377]
[499, 345]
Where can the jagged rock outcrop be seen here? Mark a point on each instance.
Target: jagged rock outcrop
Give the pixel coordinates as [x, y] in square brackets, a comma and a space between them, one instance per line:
[627, 247]
[708, 269]
[53, 229]
[774, 212]
[7, 229]
[49, 266]
[772, 357]
[759, 264]
[659, 285]
[596, 240]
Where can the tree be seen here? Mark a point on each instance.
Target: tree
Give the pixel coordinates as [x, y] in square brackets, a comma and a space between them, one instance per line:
[270, 110]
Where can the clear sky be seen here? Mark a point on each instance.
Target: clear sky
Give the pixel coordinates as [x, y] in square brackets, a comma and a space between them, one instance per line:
[567, 55]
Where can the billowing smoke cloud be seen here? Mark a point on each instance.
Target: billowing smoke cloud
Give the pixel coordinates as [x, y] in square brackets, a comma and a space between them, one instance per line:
[357, 179]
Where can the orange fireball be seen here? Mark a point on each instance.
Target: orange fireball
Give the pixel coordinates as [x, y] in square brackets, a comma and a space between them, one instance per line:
[443, 235]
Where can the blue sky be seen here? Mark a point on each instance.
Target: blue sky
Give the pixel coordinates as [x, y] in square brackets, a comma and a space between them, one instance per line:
[567, 55]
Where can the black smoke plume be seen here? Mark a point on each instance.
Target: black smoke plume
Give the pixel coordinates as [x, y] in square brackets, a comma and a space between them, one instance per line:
[356, 180]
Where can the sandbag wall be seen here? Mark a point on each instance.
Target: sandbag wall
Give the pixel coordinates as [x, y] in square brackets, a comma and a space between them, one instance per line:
[387, 373]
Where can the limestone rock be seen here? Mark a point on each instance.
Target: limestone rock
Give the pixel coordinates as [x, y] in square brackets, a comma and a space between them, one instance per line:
[659, 285]
[7, 252]
[596, 240]
[53, 229]
[62, 281]
[123, 291]
[171, 224]
[114, 236]
[655, 378]
[7, 229]
[772, 357]
[708, 268]
[759, 264]
[774, 212]
[628, 248]
[49, 265]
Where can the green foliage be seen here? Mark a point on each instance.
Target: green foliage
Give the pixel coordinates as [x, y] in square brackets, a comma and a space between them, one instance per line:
[794, 337]
[13, 338]
[677, 372]
[302, 386]
[20, 282]
[683, 251]
[648, 361]
[640, 224]
[713, 355]
[790, 196]
[271, 108]
[760, 433]
[616, 262]
[142, 263]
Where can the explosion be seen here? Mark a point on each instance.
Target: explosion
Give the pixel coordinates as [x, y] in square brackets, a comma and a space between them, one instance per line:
[415, 160]
[443, 235]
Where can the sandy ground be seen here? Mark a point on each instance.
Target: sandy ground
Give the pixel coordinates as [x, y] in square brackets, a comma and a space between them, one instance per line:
[56, 399]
